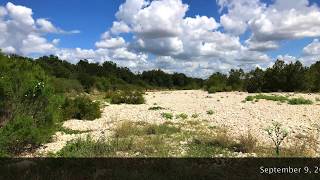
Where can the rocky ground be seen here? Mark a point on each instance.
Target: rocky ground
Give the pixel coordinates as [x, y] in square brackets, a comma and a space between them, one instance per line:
[229, 111]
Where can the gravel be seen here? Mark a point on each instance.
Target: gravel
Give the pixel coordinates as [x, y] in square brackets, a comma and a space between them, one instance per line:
[229, 111]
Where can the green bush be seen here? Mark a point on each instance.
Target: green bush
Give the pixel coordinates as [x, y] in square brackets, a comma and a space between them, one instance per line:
[249, 98]
[62, 85]
[127, 97]
[167, 115]
[195, 115]
[292, 101]
[154, 108]
[87, 148]
[297, 101]
[182, 116]
[160, 129]
[29, 108]
[81, 108]
[210, 112]
[267, 97]
[19, 133]
[212, 90]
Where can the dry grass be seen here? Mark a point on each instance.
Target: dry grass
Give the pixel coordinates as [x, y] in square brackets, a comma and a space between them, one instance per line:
[247, 143]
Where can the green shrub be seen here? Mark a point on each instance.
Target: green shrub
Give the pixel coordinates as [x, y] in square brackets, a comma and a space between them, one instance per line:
[210, 112]
[156, 108]
[247, 143]
[126, 129]
[87, 148]
[81, 108]
[63, 85]
[277, 134]
[182, 116]
[127, 97]
[161, 129]
[19, 133]
[212, 90]
[249, 98]
[297, 101]
[29, 108]
[167, 115]
[195, 115]
[267, 97]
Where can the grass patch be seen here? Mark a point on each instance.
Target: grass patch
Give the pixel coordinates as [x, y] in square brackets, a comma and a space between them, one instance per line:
[183, 116]
[71, 131]
[300, 100]
[167, 115]
[267, 97]
[247, 143]
[195, 115]
[210, 112]
[155, 108]
[151, 146]
[292, 101]
[161, 129]
[208, 145]
[129, 140]
[127, 129]
[86, 148]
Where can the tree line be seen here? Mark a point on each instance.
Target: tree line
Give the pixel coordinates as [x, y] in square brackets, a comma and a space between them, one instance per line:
[285, 77]
[85, 76]
[108, 76]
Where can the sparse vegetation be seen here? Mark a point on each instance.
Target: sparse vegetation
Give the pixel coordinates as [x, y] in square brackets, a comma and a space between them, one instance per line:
[267, 97]
[167, 115]
[195, 115]
[88, 148]
[155, 108]
[210, 112]
[277, 134]
[183, 116]
[127, 97]
[208, 145]
[247, 143]
[292, 101]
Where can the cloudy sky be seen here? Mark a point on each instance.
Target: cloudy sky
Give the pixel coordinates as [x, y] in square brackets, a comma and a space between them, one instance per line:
[196, 37]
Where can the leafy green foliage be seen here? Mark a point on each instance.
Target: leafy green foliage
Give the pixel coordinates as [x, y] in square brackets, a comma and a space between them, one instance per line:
[280, 77]
[277, 134]
[161, 129]
[158, 78]
[292, 101]
[183, 116]
[268, 97]
[63, 85]
[167, 115]
[19, 133]
[87, 148]
[127, 97]
[195, 115]
[300, 100]
[210, 112]
[29, 108]
[154, 108]
[81, 108]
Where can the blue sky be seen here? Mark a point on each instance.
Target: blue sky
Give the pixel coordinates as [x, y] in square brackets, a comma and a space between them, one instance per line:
[246, 33]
